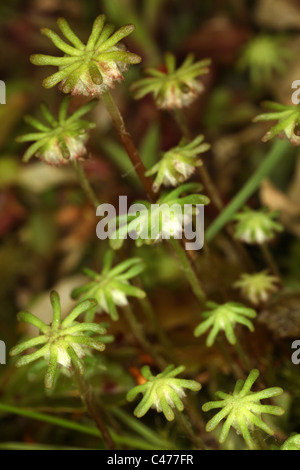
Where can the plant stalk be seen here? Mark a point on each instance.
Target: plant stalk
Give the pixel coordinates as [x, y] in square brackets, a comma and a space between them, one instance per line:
[152, 319]
[139, 335]
[259, 441]
[85, 184]
[243, 356]
[128, 441]
[270, 261]
[128, 143]
[188, 270]
[186, 427]
[88, 399]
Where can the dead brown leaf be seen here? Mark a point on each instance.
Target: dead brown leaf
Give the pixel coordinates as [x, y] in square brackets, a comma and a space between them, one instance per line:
[289, 210]
[278, 14]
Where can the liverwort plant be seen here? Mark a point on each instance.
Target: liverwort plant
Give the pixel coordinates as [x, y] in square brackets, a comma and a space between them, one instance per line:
[91, 70]
[292, 443]
[62, 139]
[173, 87]
[64, 342]
[242, 410]
[256, 227]
[258, 287]
[151, 223]
[224, 318]
[88, 69]
[263, 56]
[162, 392]
[178, 163]
[288, 117]
[111, 287]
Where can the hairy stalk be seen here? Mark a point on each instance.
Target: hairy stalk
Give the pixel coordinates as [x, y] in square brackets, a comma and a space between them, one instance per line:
[182, 123]
[270, 261]
[188, 270]
[166, 345]
[128, 143]
[139, 335]
[193, 412]
[88, 399]
[188, 430]
[259, 440]
[152, 319]
[216, 275]
[229, 358]
[243, 356]
[269, 163]
[85, 184]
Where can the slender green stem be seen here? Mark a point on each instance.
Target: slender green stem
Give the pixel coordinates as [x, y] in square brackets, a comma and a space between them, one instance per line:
[85, 184]
[22, 446]
[88, 399]
[161, 335]
[150, 315]
[269, 163]
[210, 187]
[259, 440]
[61, 422]
[188, 270]
[128, 143]
[216, 275]
[139, 335]
[192, 411]
[182, 123]
[270, 261]
[229, 358]
[187, 428]
[130, 441]
[243, 356]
